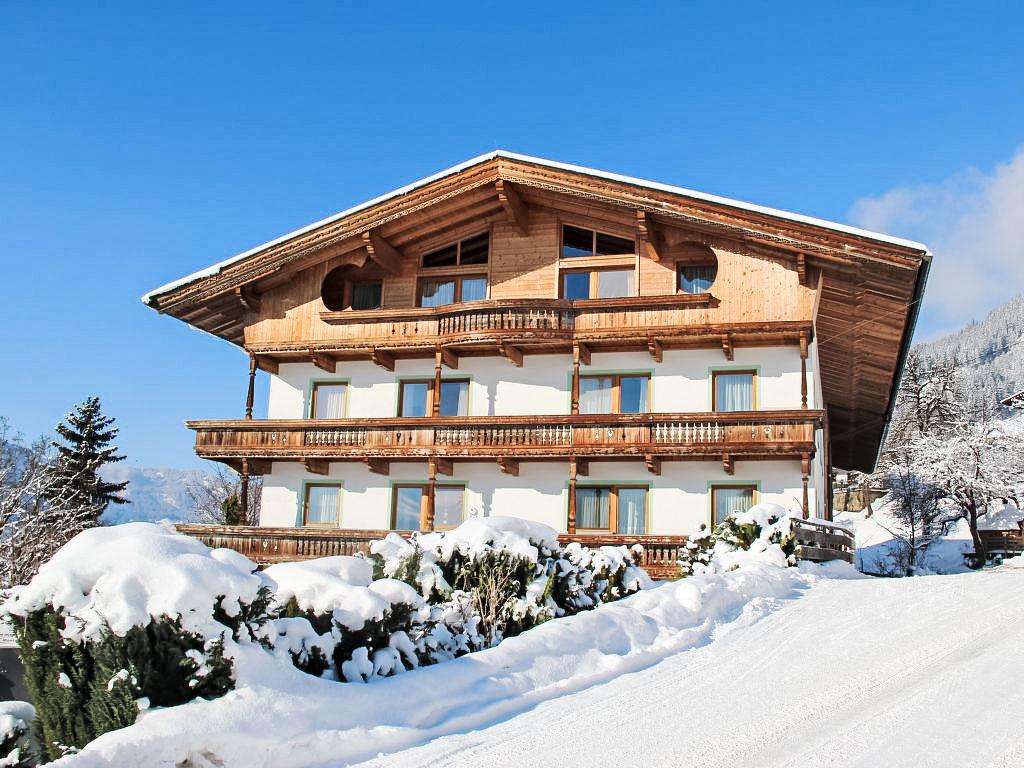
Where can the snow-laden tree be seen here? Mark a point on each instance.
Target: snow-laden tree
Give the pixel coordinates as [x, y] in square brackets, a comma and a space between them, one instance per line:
[975, 465]
[218, 499]
[84, 447]
[918, 515]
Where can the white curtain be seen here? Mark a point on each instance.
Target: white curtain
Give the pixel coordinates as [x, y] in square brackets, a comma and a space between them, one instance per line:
[729, 501]
[697, 279]
[614, 284]
[437, 292]
[330, 401]
[595, 394]
[414, 398]
[322, 507]
[408, 502]
[734, 392]
[633, 510]
[592, 507]
[454, 398]
[448, 506]
[474, 289]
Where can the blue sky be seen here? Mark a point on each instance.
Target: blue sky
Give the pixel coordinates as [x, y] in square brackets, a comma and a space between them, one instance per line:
[139, 145]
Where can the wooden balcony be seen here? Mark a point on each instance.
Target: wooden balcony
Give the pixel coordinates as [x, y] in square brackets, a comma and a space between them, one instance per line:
[535, 325]
[659, 557]
[663, 436]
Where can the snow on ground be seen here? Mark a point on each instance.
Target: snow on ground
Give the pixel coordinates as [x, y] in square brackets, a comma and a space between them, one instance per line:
[281, 717]
[856, 673]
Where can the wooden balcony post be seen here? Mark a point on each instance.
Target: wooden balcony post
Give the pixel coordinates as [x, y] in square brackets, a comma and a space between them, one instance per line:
[428, 517]
[805, 470]
[243, 491]
[436, 407]
[575, 387]
[571, 522]
[251, 397]
[803, 369]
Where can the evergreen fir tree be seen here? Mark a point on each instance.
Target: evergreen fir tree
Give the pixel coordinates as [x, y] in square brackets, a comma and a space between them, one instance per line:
[84, 448]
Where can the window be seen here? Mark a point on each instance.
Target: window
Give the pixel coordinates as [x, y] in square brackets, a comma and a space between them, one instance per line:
[435, 292]
[733, 390]
[366, 295]
[322, 505]
[614, 393]
[472, 250]
[730, 499]
[328, 400]
[597, 283]
[416, 397]
[697, 279]
[410, 506]
[577, 241]
[622, 509]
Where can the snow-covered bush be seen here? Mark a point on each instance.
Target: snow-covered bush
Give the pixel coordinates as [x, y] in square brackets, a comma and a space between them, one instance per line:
[127, 617]
[16, 748]
[495, 577]
[761, 534]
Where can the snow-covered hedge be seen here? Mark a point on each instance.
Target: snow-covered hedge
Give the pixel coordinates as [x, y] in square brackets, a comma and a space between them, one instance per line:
[763, 534]
[16, 748]
[127, 617]
[134, 616]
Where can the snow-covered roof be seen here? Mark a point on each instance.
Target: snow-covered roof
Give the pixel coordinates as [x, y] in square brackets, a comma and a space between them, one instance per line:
[1014, 401]
[215, 268]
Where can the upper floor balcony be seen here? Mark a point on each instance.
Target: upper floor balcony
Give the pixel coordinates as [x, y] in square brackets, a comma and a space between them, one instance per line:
[653, 437]
[512, 327]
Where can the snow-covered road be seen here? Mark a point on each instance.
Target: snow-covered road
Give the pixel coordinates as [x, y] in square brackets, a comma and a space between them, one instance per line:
[905, 672]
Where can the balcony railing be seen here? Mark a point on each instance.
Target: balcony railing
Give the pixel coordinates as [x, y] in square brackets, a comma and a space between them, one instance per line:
[659, 557]
[754, 433]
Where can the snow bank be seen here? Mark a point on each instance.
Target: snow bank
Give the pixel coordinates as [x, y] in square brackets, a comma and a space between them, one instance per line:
[122, 576]
[280, 717]
[1005, 517]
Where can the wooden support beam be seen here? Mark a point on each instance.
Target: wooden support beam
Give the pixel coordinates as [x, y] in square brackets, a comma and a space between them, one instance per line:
[515, 209]
[805, 470]
[267, 364]
[435, 408]
[801, 268]
[378, 466]
[248, 298]
[513, 354]
[250, 397]
[727, 348]
[728, 466]
[570, 523]
[438, 465]
[317, 466]
[250, 466]
[450, 358]
[382, 253]
[581, 353]
[650, 240]
[653, 464]
[324, 362]
[384, 359]
[655, 348]
[803, 369]
[508, 466]
[582, 466]
[427, 524]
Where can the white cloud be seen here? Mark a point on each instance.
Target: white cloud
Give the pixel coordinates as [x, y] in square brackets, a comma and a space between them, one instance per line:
[974, 224]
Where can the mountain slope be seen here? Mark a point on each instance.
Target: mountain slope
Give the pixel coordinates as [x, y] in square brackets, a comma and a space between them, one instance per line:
[156, 493]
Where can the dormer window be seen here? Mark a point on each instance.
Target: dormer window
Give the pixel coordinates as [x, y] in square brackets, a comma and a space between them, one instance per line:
[577, 241]
[472, 250]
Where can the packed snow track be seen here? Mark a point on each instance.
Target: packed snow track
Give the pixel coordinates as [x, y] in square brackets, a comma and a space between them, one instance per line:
[862, 673]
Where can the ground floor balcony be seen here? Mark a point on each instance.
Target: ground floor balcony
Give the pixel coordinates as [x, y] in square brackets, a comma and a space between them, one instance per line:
[819, 542]
[650, 437]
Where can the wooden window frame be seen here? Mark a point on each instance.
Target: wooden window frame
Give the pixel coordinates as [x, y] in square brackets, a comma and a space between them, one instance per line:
[715, 487]
[593, 243]
[316, 384]
[730, 372]
[458, 252]
[613, 507]
[305, 504]
[424, 491]
[681, 265]
[431, 394]
[617, 386]
[458, 278]
[594, 272]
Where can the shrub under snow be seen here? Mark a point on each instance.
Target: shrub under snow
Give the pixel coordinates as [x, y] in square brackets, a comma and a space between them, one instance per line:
[762, 534]
[15, 741]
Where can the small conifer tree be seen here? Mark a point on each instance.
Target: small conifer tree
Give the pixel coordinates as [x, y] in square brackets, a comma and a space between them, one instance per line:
[84, 447]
